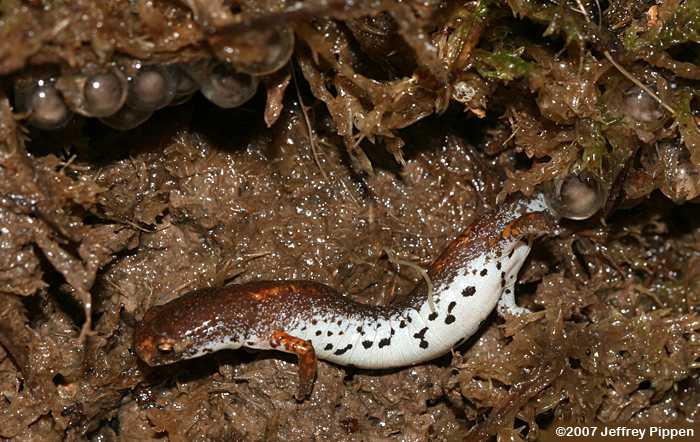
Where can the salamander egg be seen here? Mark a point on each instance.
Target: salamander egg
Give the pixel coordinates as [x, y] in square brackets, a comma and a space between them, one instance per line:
[126, 118]
[576, 196]
[46, 107]
[256, 52]
[641, 106]
[151, 88]
[185, 85]
[105, 93]
[227, 88]
[273, 51]
[680, 179]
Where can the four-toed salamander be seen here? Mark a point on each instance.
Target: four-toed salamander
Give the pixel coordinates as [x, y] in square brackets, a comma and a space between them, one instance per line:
[313, 320]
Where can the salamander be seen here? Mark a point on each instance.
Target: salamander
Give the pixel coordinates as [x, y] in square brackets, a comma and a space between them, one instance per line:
[313, 320]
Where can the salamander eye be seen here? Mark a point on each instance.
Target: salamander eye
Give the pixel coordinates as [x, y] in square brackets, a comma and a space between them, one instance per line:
[165, 345]
[576, 196]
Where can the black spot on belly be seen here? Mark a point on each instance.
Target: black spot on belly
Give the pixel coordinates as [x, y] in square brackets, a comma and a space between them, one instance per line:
[402, 324]
[384, 342]
[303, 328]
[507, 291]
[339, 322]
[329, 333]
[421, 335]
[450, 319]
[483, 272]
[250, 343]
[367, 344]
[510, 254]
[318, 332]
[360, 331]
[498, 265]
[451, 306]
[314, 322]
[468, 291]
[342, 351]
[433, 316]
[392, 332]
[408, 318]
[328, 347]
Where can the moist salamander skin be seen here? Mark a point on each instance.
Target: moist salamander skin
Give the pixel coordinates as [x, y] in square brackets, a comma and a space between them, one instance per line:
[309, 318]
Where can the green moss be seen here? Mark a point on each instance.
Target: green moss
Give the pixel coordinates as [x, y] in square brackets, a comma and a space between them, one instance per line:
[560, 19]
[688, 127]
[595, 149]
[682, 26]
[502, 65]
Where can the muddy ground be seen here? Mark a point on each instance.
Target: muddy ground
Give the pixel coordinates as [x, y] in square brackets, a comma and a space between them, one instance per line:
[200, 196]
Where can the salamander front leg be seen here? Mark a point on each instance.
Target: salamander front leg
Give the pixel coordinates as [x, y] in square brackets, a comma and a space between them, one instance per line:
[526, 227]
[529, 225]
[307, 359]
[507, 305]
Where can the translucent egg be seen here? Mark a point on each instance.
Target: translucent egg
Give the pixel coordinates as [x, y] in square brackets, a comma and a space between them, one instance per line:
[152, 87]
[105, 93]
[641, 106]
[576, 196]
[185, 84]
[679, 178]
[227, 88]
[256, 52]
[45, 105]
[126, 118]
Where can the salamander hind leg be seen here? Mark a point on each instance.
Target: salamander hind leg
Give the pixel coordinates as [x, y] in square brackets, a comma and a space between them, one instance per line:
[282, 341]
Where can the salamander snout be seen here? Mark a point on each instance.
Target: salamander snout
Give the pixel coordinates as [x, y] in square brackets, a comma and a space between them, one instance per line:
[155, 351]
[157, 348]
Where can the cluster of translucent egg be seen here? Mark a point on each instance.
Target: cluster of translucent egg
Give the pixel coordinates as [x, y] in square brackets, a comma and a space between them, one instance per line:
[125, 95]
[123, 98]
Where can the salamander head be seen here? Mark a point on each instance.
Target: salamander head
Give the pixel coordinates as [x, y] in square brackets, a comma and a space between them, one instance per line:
[159, 339]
